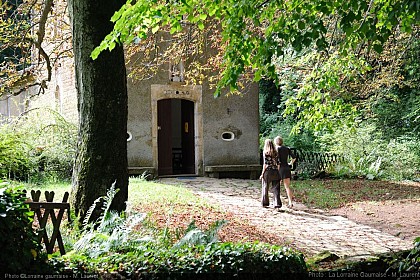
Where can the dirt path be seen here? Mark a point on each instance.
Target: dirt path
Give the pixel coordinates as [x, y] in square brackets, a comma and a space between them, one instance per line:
[356, 231]
[399, 218]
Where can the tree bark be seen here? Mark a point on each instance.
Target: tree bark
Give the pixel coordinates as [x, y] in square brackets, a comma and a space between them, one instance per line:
[102, 105]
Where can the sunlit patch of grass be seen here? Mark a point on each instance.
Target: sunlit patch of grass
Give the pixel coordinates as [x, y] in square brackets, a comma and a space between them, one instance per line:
[59, 188]
[150, 192]
[316, 195]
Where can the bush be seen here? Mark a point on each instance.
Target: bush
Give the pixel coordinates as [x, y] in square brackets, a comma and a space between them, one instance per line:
[15, 159]
[153, 261]
[20, 250]
[39, 145]
[369, 154]
[410, 263]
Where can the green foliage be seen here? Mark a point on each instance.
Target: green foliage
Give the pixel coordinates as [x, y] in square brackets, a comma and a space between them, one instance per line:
[323, 96]
[39, 145]
[320, 103]
[272, 121]
[412, 262]
[254, 31]
[110, 232]
[20, 250]
[194, 236]
[407, 264]
[396, 111]
[15, 156]
[112, 244]
[152, 261]
[369, 154]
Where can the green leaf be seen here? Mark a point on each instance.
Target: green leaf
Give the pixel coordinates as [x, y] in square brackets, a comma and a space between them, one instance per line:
[203, 16]
[95, 53]
[257, 76]
[155, 29]
[117, 15]
[111, 46]
[301, 25]
[378, 48]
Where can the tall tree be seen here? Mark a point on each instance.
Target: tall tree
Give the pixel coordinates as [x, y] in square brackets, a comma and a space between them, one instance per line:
[102, 104]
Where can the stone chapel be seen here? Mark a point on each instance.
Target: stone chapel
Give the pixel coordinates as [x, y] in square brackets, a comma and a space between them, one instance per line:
[174, 129]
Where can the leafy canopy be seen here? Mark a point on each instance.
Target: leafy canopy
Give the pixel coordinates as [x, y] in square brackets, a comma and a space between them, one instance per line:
[255, 35]
[254, 31]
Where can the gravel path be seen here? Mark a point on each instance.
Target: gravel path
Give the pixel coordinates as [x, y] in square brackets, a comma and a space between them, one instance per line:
[313, 231]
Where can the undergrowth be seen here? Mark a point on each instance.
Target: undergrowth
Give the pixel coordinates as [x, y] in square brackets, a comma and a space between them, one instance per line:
[120, 243]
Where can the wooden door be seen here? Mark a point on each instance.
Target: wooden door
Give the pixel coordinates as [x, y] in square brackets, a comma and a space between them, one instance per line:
[164, 137]
[188, 136]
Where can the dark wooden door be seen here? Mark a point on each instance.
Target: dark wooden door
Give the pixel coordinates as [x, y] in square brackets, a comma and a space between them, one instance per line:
[188, 135]
[164, 137]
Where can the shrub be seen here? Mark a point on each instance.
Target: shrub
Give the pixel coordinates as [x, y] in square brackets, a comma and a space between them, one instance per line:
[39, 145]
[151, 260]
[410, 263]
[369, 154]
[20, 250]
[15, 159]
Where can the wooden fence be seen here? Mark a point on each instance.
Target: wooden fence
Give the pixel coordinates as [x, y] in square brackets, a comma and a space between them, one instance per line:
[45, 211]
[313, 163]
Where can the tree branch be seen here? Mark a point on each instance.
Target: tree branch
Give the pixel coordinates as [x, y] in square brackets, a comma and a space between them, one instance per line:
[41, 35]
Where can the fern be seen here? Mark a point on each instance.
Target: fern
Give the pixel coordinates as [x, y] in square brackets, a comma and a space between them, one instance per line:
[195, 236]
[86, 221]
[107, 200]
[214, 229]
[110, 232]
[115, 232]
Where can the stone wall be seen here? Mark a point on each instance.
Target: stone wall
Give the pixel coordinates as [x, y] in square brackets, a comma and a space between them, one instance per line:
[60, 94]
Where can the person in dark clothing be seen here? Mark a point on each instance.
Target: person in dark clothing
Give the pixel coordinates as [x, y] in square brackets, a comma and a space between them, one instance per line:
[270, 175]
[285, 172]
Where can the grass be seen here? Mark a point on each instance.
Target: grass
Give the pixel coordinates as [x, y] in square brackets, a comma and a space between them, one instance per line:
[59, 188]
[322, 194]
[143, 192]
[327, 194]
[315, 195]
[175, 207]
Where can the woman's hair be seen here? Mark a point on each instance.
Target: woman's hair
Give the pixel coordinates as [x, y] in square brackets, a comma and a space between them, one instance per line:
[269, 148]
[278, 141]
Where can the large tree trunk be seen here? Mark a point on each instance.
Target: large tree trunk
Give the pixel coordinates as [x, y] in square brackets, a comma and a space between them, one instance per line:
[102, 104]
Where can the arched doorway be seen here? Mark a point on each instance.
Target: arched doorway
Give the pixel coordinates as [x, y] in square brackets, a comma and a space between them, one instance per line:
[176, 135]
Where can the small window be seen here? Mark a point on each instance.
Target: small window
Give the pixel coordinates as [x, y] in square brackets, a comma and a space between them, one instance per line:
[129, 136]
[228, 136]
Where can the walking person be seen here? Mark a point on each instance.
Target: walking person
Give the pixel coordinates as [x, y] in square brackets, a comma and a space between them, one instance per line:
[285, 172]
[270, 175]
